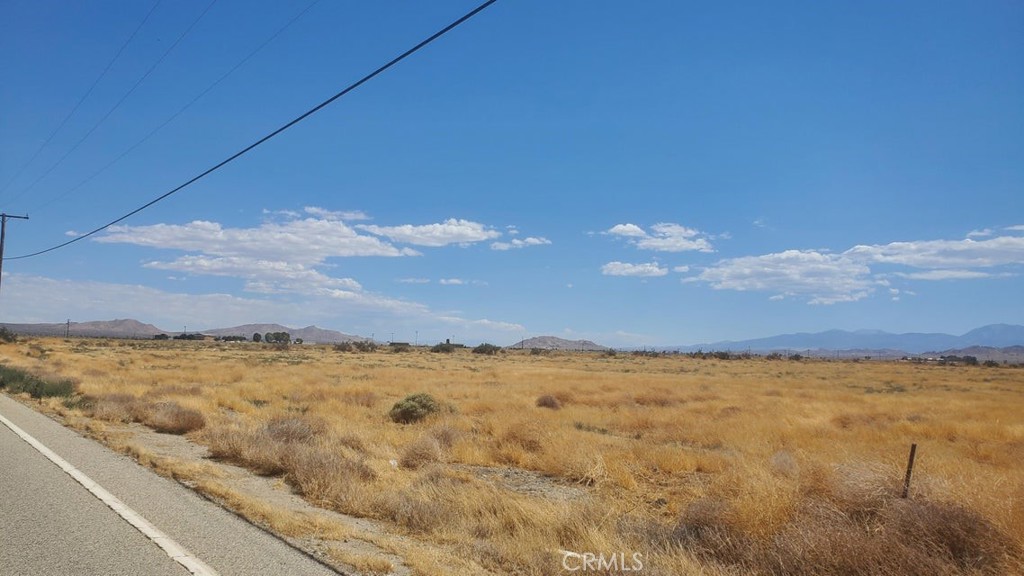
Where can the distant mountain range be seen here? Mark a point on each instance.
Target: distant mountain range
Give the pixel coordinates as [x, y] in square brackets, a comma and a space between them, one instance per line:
[555, 343]
[995, 341]
[310, 334]
[98, 329]
[134, 329]
[992, 336]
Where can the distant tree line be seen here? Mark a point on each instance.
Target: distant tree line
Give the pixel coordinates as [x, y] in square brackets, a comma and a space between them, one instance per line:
[282, 338]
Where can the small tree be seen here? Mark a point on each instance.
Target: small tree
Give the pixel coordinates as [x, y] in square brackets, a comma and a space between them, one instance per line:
[256, 337]
[365, 345]
[277, 338]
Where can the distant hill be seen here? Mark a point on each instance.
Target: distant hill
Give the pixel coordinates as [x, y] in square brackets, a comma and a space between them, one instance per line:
[125, 328]
[1011, 354]
[555, 343]
[994, 335]
[136, 329]
[310, 334]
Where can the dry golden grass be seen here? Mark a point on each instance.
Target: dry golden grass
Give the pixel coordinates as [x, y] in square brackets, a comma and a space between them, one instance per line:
[752, 466]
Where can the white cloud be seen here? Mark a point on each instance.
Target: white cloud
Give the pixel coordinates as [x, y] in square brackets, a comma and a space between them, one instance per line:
[307, 241]
[1015, 228]
[268, 276]
[627, 230]
[291, 214]
[275, 257]
[414, 280]
[451, 231]
[484, 323]
[984, 233]
[962, 254]
[520, 243]
[663, 237]
[626, 269]
[944, 275]
[826, 278]
[347, 215]
[681, 269]
[460, 282]
[822, 277]
[73, 233]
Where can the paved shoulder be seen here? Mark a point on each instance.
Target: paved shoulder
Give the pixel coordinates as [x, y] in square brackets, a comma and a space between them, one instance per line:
[50, 524]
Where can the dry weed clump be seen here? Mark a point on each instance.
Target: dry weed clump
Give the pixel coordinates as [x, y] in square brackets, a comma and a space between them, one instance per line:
[114, 408]
[548, 401]
[364, 398]
[861, 527]
[171, 418]
[289, 429]
[424, 450]
[327, 477]
[163, 416]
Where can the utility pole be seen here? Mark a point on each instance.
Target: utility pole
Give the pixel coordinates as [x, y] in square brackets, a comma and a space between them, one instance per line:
[3, 232]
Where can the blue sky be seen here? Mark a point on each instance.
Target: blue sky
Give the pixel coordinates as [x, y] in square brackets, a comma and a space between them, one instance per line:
[652, 173]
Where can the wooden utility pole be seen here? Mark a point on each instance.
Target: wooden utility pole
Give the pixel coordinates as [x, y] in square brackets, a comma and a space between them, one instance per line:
[3, 232]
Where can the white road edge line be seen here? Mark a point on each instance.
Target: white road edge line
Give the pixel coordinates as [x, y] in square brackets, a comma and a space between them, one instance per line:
[172, 548]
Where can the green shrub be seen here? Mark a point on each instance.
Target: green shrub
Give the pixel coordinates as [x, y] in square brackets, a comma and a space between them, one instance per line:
[7, 335]
[414, 408]
[17, 381]
[49, 388]
[485, 348]
[12, 378]
[443, 347]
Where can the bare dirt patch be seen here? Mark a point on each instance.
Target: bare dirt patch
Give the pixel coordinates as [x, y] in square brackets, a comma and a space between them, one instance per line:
[526, 482]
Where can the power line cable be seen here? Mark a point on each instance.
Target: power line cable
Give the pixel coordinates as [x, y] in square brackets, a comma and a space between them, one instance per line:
[82, 99]
[208, 89]
[250, 147]
[117, 105]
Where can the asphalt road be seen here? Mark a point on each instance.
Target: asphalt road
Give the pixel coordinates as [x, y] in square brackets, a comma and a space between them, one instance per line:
[51, 525]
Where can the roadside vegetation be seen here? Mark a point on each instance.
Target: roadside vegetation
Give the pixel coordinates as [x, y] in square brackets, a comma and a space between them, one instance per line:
[500, 462]
[17, 380]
